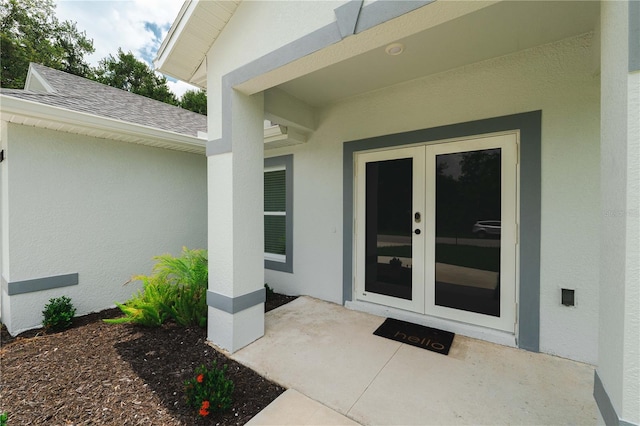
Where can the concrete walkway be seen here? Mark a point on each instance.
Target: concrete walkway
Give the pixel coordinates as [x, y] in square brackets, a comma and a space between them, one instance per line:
[333, 366]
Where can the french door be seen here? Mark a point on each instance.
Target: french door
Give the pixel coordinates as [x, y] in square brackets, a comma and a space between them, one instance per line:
[436, 229]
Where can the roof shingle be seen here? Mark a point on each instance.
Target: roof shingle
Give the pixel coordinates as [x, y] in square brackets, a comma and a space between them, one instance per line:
[80, 94]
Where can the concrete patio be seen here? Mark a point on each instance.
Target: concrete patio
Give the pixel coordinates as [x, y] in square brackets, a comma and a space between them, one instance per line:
[333, 366]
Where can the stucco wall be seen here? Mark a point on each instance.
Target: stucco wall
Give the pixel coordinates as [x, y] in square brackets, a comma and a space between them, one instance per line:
[618, 364]
[95, 207]
[558, 79]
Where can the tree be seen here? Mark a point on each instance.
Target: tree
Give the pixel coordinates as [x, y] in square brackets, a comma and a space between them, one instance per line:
[195, 100]
[30, 32]
[128, 73]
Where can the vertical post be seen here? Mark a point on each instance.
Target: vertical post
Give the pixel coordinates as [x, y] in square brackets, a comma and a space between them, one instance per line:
[618, 372]
[236, 231]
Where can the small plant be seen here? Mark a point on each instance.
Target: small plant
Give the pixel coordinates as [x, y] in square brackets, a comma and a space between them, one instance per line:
[4, 419]
[58, 314]
[209, 391]
[269, 290]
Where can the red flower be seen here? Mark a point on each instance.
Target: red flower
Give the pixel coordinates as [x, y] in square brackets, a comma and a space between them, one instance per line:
[200, 378]
[205, 404]
[204, 412]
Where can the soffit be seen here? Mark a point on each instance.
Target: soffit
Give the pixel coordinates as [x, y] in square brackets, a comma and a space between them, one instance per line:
[494, 31]
[197, 26]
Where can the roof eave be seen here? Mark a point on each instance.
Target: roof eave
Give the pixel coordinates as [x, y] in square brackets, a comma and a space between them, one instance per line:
[181, 54]
[21, 111]
[163, 56]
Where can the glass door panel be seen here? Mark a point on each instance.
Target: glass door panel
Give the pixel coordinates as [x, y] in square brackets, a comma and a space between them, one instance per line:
[471, 243]
[389, 205]
[390, 247]
[467, 238]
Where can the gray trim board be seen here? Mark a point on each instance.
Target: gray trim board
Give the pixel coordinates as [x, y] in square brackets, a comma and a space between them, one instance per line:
[607, 411]
[382, 11]
[218, 146]
[529, 125]
[39, 284]
[371, 15]
[347, 17]
[287, 162]
[234, 305]
[225, 140]
[306, 45]
[634, 35]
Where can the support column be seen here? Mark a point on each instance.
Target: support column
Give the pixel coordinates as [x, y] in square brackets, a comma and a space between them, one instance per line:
[617, 377]
[236, 223]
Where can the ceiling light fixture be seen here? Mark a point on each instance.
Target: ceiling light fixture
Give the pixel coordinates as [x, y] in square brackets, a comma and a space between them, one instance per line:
[394, 49]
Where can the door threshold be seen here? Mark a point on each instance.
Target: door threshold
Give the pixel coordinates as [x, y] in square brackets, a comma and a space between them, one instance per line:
[469, 330]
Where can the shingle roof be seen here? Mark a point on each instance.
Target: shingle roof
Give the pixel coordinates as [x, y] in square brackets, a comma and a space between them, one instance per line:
[80, 94]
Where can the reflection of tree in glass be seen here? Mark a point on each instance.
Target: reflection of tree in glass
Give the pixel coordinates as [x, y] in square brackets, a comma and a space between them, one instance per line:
[480, 179]
[395, 195]
[448, 212]
[467, 190]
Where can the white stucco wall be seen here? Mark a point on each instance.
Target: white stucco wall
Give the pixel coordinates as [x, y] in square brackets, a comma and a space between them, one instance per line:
[4, 254]
[619, 360]
[558, 79]
[631, 410]
[96, 207]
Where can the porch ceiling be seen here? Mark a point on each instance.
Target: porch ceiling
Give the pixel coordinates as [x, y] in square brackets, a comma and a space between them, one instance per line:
[494, 31]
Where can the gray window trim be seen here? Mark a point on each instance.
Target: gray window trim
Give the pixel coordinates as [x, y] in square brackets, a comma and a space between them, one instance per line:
[529, 126]
[287, 162]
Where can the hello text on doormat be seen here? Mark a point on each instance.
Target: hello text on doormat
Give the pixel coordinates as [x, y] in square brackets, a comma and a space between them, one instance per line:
[416, 335]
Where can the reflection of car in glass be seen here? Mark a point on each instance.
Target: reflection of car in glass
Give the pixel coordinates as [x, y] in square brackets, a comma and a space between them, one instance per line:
[483, 228]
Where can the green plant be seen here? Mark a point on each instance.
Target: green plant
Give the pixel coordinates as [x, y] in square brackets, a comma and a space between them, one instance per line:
[189, 275]
[147, 307]
[177, 289]
[209, 391]
[269, 290]
[58, 314]
[4, 418]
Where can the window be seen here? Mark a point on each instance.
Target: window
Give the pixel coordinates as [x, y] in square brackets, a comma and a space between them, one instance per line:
[278, 213]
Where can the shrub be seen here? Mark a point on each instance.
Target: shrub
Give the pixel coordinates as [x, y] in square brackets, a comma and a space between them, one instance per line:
[58, 314]
[209, 391]
[177, 289]
[270, 291]
[4, 418]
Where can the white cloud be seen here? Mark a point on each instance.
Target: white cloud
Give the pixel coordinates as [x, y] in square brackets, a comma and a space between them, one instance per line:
[126, 24]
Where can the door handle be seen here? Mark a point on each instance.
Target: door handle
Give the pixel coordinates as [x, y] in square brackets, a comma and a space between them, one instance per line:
[417, 232]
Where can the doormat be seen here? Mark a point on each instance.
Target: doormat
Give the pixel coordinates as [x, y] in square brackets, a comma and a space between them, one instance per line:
[416, 335]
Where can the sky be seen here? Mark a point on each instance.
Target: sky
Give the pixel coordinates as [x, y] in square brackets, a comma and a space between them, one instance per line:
[138, 26]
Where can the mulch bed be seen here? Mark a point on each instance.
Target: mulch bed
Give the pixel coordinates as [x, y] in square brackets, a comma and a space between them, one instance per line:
[119, 374]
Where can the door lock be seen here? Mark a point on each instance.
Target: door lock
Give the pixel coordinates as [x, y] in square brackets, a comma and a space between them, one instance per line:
[416, 216]
[417, 232]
